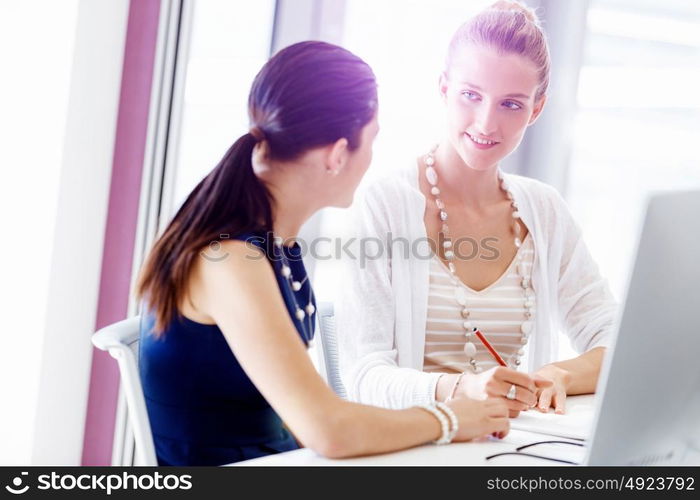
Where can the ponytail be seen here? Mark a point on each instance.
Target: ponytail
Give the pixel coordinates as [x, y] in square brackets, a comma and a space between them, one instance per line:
[230, 200]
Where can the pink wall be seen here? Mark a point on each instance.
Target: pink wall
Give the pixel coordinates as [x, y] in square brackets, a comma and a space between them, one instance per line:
[122, 215]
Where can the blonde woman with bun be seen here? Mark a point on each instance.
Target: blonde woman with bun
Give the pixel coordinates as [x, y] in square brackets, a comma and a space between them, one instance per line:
[497, 267]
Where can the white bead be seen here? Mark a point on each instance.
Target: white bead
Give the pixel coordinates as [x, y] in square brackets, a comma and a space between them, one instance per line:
[465, 313]
[449, 254]
[452, 267]
[430, 161]
[300, 314]
[310, 309]
[435, 190]
[439, 204]
[286, 272]
[523, 340]
[526, 282]
[521, 352]
[509, 195]
[529, 303]
[526, 327]
[517, 242]
[470, 350]
[460, 296]
[516, 214]
[468, 326]
[296, 286]
[447, 243]
[278, 241]
[522, 269]
[443, 215]
[431, 175]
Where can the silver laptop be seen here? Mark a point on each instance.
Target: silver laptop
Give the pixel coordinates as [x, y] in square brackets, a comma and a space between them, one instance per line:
[648, 403]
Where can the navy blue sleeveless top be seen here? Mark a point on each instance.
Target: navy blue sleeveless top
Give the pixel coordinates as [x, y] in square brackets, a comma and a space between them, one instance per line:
[203, 408]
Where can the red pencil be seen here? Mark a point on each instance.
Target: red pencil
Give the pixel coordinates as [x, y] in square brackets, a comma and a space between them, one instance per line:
[493, 352]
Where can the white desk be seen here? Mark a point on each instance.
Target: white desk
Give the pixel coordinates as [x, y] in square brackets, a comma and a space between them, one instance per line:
[471, 453]
[578, 420]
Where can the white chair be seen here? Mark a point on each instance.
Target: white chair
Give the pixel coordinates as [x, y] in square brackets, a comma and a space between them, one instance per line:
[329, 344]
[119, 339]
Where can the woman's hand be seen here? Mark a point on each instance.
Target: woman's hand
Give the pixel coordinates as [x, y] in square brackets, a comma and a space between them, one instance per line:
[496, 383]
[555, 394]
[480, 418]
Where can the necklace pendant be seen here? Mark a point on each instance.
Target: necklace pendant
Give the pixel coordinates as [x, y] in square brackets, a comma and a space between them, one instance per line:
[460, 296]
[522, 269]
[431, 175]
[470, 349]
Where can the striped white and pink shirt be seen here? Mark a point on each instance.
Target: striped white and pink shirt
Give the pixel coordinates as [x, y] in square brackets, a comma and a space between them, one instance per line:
[497, 311]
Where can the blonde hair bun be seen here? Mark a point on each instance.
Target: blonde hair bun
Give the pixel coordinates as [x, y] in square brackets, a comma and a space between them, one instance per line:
[516, 6]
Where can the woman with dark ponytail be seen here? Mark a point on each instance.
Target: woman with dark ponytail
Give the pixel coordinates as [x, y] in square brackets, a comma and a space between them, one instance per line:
[230, 309]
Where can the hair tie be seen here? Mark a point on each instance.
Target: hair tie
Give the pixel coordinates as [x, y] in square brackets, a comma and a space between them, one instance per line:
[257, 133]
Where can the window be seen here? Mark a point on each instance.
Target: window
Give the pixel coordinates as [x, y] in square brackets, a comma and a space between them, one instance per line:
[229, 44]
[637, 124]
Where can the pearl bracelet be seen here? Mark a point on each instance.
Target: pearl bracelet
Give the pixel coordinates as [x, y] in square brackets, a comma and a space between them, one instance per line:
[454, 423]
[445, 437]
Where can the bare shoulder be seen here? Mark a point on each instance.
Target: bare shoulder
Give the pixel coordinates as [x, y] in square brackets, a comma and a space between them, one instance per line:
[230, 258]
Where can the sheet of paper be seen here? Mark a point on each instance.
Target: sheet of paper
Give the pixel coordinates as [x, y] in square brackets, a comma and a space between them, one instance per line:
[575, 423]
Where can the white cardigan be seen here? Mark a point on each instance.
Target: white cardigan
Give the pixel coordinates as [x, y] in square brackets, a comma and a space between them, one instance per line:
[381, 311]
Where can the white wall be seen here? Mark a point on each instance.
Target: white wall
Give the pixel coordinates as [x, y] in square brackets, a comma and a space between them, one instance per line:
[61, 73]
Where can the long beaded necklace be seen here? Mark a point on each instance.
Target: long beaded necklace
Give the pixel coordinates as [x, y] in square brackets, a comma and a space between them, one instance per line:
[460, 294]
[295, 286]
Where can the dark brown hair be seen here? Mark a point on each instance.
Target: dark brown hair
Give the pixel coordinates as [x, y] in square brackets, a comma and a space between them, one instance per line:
[308, 95]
